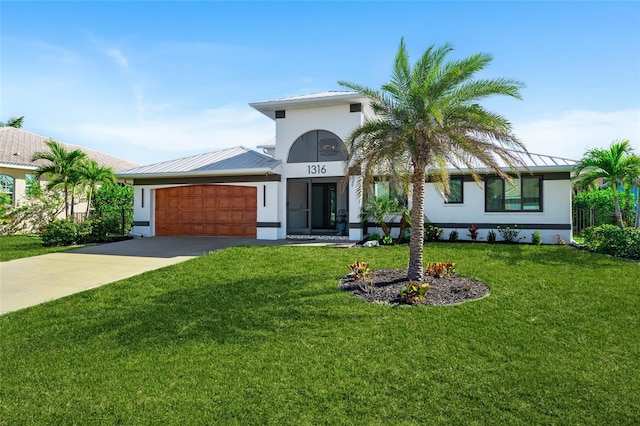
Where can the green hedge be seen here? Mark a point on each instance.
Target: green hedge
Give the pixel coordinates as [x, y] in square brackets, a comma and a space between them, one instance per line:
[610, 239]
[67, 233]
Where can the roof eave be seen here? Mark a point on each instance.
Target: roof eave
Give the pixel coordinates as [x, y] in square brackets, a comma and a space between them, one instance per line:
[539, 169]
[18, 166]
[269, 108]
[233, 172]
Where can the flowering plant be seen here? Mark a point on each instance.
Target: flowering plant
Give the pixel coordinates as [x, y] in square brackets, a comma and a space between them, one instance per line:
[510, 235]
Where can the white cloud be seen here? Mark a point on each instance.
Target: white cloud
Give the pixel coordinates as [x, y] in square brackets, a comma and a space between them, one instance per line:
[119, 57]
[165, 138]
[571, 133]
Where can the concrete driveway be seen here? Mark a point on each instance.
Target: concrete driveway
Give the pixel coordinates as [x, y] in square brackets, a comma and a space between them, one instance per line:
[34, 280]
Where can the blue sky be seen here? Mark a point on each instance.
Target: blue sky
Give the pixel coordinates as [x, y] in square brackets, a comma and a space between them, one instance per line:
[153, 81]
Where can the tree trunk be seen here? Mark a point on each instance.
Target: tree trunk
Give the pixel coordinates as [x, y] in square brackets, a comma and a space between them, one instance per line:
[66, 200]
[415, 271]
[86, 215]
[616, 203]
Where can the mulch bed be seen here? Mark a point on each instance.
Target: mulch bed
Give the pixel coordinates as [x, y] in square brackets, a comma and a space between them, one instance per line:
[387, 284]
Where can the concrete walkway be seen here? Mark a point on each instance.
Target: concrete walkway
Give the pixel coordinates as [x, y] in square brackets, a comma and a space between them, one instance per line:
[34, 280]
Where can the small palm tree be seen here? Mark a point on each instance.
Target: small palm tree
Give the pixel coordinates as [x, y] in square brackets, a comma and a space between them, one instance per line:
[615, 164]
[62, 170]
[94, 175]
[13, 122]
[428, 117]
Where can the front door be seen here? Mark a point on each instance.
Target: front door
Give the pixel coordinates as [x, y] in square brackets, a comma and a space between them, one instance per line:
[312, 206]
[324, 210]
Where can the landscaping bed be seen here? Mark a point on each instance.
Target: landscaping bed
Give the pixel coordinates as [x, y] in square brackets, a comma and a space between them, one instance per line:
[387, 284]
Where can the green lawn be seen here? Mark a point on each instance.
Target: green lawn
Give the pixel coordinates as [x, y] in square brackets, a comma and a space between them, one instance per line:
[19, 246]
[262, 335]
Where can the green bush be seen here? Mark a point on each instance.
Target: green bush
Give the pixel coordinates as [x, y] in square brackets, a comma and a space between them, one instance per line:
[491, 237]
[610, 239]
[510, 235]
[453, 236]
[60, 233]
[432, 232]
[536, 238]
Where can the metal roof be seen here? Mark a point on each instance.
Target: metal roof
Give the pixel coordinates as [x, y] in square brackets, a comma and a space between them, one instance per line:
[18, 146]
[532, 162]
[227, 161]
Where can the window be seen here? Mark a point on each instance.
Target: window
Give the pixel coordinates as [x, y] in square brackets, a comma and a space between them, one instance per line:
[6, 189]
[32, 186]
[523, 194]
[388, 189]
[317, 146]
[456, 188]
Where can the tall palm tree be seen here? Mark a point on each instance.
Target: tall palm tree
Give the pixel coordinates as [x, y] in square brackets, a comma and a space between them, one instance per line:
[93, 175]
[62, 168]
[13, 122]
[614, 164]
[428, 116]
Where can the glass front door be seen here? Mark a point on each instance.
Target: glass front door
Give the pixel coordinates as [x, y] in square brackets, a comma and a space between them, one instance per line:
[324, 206]
[312, 207]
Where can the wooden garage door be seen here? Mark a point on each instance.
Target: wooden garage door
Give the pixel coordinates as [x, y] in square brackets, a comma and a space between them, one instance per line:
[211, 210]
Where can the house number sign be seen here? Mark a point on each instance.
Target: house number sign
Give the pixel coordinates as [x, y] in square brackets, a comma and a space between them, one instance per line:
[316, 169]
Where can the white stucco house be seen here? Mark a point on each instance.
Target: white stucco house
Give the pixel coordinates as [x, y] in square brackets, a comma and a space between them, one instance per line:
[295, 186]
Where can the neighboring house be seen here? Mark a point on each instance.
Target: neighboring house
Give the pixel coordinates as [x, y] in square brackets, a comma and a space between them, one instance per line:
[297, 186]
[17, 147]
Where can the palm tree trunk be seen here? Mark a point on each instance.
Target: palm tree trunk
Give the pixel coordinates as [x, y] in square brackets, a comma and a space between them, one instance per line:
[86, 215]
[415, 272]
[66, 200]
[616, 203]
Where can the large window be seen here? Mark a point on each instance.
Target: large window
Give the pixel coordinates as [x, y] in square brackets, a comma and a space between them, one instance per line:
[6, 189]
[317, 146]
[456, 190]
[522, 194]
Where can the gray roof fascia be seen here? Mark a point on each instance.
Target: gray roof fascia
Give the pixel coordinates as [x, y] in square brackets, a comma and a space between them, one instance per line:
[18, 166]
[269, 108]
[234, 172]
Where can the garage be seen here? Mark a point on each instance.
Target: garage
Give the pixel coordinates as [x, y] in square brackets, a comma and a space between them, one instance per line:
[206, 210]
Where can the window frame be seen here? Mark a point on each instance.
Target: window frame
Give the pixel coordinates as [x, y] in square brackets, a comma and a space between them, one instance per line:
[12, 181]
[316, 155]
[461, 180]
[521, 179]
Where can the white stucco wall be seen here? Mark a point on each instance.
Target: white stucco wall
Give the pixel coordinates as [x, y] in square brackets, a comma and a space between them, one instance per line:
[336, 119]
[556, 209]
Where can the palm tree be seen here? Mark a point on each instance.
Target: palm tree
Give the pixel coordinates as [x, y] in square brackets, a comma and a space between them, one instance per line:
[93, 175]
[429, 117]
[62, 168]
[615, 164]
[13, 122]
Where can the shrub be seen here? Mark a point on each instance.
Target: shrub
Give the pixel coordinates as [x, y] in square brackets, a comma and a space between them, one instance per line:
[374, 237]
[432, 232]
[559, 240]
[440, 269]
[536, 238]
[361, 272]
[610, 239]
[387, 241]
[473, 232]
[510, 235]
[491, 237]
[453, 236]
[414, 292]
[60, 233]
